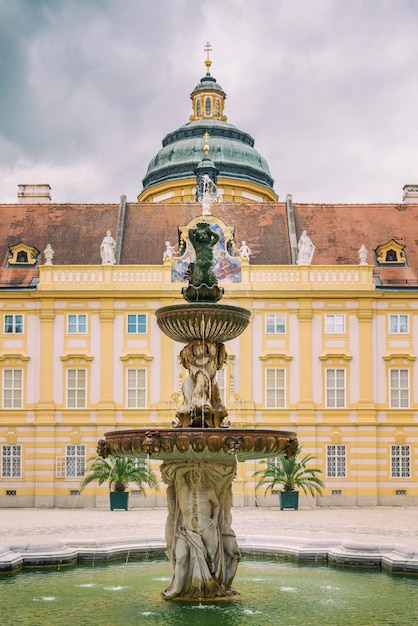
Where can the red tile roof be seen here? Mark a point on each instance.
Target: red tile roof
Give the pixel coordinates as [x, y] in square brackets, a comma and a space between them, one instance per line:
[75, 232]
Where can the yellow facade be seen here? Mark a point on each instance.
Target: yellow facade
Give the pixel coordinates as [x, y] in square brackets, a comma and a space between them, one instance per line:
[326, 355]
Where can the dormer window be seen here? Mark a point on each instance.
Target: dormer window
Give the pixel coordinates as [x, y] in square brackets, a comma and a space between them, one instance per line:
[22, 254]
[391, 253]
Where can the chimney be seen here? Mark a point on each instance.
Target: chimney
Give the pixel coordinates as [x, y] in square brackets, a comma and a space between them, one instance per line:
[34, 194]
[410, 194]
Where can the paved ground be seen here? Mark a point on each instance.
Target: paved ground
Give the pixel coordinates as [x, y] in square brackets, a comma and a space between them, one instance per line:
[381, 525]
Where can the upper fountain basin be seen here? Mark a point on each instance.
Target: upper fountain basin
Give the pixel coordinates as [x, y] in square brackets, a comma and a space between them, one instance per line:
[216, 444]
[202, 320]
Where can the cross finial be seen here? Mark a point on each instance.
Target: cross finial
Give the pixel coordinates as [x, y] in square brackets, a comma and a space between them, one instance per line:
[208, 62]
[206, 146]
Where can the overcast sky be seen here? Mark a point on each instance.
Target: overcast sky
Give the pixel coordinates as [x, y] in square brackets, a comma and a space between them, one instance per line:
[327, 88]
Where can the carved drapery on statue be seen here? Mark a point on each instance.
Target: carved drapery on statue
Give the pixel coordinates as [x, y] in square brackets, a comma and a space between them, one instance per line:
[202, 406]
[201, 544]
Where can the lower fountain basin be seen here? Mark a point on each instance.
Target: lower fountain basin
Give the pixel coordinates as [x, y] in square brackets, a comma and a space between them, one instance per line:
[202, 320]
[198, 443]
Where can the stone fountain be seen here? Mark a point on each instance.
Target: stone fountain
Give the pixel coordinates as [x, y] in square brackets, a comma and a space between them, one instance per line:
[200, 452]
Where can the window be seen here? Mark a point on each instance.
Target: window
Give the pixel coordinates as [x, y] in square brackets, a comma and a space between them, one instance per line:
[208, 106]
[335, 388]
[75, 461]
[218, 108]
[400, 463]
[13, 324]
[137, 324]
[398, 324]
[12, 389]
[11, 461]
[399, 388]
[198, 108]
[275, 323]
[335, 324]
[76, 323]
[136, 388]
[76, 388]
[336, 461]
[22, 257]
[275, 388]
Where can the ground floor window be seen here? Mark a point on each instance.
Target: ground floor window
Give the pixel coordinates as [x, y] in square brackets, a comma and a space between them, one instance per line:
[75, 461]
[336, 461]
[400, 461]
[11, 461]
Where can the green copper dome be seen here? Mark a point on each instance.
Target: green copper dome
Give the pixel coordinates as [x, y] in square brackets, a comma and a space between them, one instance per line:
[241, 171]
[231, 149]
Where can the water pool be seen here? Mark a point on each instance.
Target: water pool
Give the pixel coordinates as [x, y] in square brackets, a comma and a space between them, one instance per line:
[272, 592]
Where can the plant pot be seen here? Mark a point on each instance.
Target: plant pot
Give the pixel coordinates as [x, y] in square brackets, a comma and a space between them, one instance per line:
[119, 500]
[289, 500]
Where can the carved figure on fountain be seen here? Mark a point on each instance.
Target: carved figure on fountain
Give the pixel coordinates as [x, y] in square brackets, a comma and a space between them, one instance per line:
[200, 542]
[226, 264]
[202, 405]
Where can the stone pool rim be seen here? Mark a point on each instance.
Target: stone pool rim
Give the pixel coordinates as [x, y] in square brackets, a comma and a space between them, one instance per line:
[394, 558]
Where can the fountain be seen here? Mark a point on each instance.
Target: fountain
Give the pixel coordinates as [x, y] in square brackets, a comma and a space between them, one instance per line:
[200, 452]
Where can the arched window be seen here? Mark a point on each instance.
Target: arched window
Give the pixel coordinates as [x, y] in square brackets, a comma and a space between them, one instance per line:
[198, 108]
[218, 108]
[207, 106]
[391, 256]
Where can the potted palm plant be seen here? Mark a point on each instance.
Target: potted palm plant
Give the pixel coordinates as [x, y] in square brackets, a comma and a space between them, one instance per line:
[119, 472]
[292, 474]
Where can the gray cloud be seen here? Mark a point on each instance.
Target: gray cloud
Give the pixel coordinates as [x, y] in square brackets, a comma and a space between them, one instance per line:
[327, 88]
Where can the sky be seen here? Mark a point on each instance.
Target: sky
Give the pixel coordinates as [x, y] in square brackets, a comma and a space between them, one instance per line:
[327, 88]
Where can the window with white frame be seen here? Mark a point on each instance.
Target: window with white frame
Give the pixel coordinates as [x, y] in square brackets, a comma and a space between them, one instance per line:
[275, 388]
[335, 324]
[76, 388]
[75, 460]
[335, 388]
[275, 323]
[221, 380]
[76, 324]
[398, 324]
[399, 388]
[13, 324]
[137, 323]
[136, 392]
[12, 388]
[400, 461]
[336, 461]
[11, 461]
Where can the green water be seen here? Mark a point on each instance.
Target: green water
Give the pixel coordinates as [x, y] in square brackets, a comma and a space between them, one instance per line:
[272, 592]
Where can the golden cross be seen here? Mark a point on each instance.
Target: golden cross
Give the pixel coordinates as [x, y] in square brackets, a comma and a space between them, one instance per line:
[207, 49]
[206, 136]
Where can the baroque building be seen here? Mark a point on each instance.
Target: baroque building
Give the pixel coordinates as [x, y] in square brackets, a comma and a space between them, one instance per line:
[330, 352]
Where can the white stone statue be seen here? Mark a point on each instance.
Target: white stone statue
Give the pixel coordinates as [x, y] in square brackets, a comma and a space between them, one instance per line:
[202, 404]
[362, 253]
[209, 193]
[200, 542]
[107, 249]
[305, 249]
[168, 252]
[49, 254]
[244, 251]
